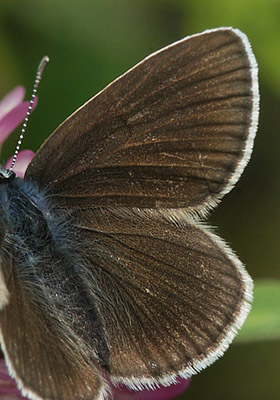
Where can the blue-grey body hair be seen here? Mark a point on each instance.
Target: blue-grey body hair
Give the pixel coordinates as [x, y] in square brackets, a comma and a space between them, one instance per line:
[44, 248]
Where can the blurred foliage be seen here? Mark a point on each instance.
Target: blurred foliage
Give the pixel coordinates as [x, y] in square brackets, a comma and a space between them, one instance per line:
[91, 42]
[263, 322]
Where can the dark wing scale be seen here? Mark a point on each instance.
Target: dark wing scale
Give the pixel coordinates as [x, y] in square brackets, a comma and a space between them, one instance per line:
[172, 132]
[173, 297]
[44, 364]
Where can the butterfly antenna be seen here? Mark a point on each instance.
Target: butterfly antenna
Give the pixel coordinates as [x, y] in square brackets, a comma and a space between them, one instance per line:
[38, 77]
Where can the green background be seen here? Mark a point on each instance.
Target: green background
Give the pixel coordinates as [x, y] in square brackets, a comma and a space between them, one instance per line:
[92, 42]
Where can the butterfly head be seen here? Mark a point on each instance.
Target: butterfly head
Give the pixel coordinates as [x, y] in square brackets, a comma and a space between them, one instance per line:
[6, 175]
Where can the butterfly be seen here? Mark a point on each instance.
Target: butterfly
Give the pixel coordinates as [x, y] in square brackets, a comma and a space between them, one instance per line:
[107, 272]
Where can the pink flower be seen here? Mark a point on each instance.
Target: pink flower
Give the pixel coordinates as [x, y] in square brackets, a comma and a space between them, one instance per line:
[12, 112]
[23, 159]
[8, 389]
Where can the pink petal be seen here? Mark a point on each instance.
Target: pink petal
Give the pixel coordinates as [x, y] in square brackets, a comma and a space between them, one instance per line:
[14, 118]
[23, 159]
[11, 100]
[162, 393]
[8, 388]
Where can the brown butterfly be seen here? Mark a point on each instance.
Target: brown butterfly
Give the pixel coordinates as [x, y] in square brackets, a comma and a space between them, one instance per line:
[106, 270]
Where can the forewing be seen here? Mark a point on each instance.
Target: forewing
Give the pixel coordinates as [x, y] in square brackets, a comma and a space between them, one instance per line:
[174, 131]
[44, 365]
[173, 294]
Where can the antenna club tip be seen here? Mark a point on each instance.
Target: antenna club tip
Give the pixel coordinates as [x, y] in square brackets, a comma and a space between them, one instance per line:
[42, 65]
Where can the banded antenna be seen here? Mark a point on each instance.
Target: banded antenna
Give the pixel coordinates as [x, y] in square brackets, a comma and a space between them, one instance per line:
[38, 77]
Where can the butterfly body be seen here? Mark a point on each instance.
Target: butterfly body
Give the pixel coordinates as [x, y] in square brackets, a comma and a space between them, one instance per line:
[45, 259]
[107, 271]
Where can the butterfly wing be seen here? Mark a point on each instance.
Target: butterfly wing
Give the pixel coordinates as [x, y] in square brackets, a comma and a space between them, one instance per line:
[172, 298]
[174, 131]
[174, 294]
[43, 361]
